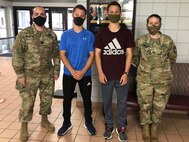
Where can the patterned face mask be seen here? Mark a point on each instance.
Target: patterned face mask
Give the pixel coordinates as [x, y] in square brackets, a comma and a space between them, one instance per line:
[153, 29]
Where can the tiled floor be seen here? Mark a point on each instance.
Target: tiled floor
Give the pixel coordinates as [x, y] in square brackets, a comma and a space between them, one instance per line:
[174, 127]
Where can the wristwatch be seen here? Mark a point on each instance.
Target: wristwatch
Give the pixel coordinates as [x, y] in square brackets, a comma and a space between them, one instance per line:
[126, 73]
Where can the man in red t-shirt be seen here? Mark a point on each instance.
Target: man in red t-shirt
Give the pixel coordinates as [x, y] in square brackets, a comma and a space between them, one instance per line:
[113, 53]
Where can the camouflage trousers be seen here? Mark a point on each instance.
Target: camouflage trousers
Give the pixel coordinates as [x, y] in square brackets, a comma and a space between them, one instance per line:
[44, 84]
[152, 100]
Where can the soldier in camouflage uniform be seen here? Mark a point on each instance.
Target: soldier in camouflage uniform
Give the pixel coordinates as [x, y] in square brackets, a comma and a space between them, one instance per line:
[36, 63]
[154, 54]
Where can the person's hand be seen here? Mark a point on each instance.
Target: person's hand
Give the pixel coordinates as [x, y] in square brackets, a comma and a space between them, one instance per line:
[102, 78]
[123, 80]
[56, 77]
[74, 73]
[79, 75]
[22, 81]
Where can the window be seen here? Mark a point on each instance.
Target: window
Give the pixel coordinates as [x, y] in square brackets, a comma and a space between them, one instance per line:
[23, 19]
[3, 30]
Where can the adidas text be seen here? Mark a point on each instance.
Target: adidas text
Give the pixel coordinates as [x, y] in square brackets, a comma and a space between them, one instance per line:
[113, 52]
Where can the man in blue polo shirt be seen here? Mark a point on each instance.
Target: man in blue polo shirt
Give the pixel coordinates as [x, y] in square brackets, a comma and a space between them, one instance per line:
[77, 54]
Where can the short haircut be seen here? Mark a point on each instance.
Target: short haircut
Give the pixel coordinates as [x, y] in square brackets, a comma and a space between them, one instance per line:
[153, 15]
[33, 10]
[81, 7]
[114, 3]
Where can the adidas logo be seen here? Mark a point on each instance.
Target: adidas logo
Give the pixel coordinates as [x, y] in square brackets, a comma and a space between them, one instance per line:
[113, 48]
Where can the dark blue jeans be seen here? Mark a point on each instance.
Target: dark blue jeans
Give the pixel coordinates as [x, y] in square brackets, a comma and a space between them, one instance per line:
[69, 84]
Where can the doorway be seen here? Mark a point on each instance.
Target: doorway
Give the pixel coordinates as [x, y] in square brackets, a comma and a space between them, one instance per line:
[58, 19]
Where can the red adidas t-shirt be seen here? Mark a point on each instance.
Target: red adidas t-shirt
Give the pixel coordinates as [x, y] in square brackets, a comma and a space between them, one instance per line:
[113, 50]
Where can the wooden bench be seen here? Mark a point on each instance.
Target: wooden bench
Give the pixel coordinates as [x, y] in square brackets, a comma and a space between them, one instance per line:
[179, 98]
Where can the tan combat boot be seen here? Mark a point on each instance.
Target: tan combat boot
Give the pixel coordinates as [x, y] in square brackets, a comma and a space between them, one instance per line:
[154, 132]
[24, 132]
[146, 133]
[46, 124]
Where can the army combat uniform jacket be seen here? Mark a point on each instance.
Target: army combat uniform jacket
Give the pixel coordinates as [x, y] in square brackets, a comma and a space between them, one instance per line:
[154, 58]
[35, 52]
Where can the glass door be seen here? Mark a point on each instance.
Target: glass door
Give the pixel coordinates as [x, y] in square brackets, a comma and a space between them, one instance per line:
[5, 31]
[23, 20]
[3, 28]
[58, 19]
[61, 20]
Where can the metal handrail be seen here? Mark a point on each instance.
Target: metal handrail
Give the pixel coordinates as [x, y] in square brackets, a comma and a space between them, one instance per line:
[6, 38]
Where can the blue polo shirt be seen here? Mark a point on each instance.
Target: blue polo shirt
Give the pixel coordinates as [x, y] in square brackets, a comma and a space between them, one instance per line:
[77, 47]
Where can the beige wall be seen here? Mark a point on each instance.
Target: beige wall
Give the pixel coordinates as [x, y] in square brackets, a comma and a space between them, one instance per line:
[175, 19]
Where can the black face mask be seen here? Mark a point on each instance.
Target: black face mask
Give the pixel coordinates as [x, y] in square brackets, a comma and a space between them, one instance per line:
[78, 21]
[40, 21]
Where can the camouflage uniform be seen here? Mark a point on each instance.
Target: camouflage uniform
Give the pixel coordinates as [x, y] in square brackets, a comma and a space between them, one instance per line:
[36, 57]
[154, 76]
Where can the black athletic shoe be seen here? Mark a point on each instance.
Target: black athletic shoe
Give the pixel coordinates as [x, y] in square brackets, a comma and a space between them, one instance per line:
[108, 133]
[122, 137]
[64, 129]
[90, 129]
